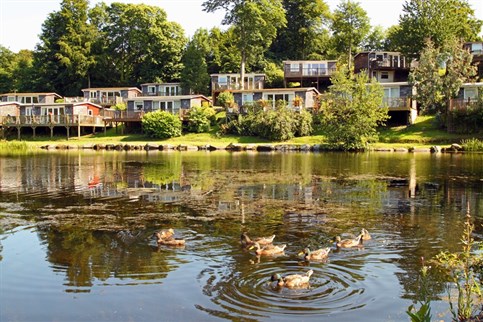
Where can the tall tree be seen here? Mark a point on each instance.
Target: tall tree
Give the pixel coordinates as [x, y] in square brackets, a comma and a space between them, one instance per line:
[194, 75]
[304, 35]
[6, 69]
[439, 75]
[136, 44]
[438, 20]
[376, 39]
[63, 56]
[350, 25]
[255, 23]
[352, 110]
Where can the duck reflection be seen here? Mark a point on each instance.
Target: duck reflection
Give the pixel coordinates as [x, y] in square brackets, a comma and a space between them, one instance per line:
[110, 257]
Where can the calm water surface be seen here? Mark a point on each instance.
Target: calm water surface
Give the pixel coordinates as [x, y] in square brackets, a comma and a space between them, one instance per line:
[76, 233]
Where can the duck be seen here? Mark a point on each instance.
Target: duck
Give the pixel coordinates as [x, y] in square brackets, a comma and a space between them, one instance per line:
[170, 241]
[322, 253]
[293, 281]
[166, 233]
[247, 241]
[365, 234]
[268, 249]
[348, 243]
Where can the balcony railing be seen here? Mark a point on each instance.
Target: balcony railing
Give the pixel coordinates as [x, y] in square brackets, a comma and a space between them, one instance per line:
[461, 104]
[50, 120]
[308, 72]
[162, 93]
[388, 63]
[397, 102]
[107, 100]
[235, 86]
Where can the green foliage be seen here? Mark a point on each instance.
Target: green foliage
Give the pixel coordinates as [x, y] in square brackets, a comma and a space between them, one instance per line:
[303, 123]
[438, 20]
[352, 110]
[375, 39]
[136, 44]
[273, 75]
[226, 99]
[194, 75]
[200, 119]
[120, 106]
[440, 74]
[464, 272]
[279, 124]
[423, 314]
[472, 145]
[350, 26]
[6, 70]
[255, 24]
[161, 125]
[63, 57]
[306, 34]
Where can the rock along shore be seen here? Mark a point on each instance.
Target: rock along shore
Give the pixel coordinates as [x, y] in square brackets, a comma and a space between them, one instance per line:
[236, 148]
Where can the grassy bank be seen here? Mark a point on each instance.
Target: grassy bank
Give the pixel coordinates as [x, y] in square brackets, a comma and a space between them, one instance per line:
[423, 133]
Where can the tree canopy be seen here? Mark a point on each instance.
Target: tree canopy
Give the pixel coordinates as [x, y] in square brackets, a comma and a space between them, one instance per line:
[438, 20]
[255, 24]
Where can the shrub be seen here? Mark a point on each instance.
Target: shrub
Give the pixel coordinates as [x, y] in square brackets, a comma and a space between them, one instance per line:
[200, 119]
[472, 145]
[303, 123]
[161, 125]
[226, 99]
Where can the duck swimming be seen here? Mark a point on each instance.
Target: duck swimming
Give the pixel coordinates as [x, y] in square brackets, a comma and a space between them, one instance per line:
[293, 281]
[322, 253]
[170, 241]
[268, 249]
[365, 234]
[348, 243]
[247, 241]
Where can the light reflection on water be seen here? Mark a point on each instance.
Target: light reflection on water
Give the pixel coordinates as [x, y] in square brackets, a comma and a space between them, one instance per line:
[86, 251]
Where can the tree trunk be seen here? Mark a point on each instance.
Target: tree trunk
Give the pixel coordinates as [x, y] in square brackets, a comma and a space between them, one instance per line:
[242, 70]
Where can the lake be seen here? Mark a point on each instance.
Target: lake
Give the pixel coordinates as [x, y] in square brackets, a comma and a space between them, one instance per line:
[76, 233]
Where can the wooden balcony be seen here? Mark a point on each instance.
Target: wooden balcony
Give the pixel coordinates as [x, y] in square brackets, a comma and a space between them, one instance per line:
[51, 120]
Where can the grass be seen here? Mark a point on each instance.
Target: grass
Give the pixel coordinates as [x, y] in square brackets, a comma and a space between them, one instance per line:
[423, 133]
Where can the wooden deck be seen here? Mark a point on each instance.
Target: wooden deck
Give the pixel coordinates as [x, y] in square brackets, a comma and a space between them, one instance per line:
[69, 122]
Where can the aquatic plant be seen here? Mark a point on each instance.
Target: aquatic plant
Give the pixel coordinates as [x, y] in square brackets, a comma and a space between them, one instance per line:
[14, 147]
[472, 145]
[464, 270]
[423, 314]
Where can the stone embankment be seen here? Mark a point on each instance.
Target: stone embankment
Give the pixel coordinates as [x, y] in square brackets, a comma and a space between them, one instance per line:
[235, 147]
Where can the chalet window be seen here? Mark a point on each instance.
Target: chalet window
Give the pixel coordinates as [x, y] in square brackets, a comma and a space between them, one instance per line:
[156, 105]
[294, 68]
[222, 80]
[247, 98]
[89, 112]
[167, 106]
[138, 105]
[274, 98]
[151, 89]
[92, 94]
[471, 93]
[384, 75]
[11, 99]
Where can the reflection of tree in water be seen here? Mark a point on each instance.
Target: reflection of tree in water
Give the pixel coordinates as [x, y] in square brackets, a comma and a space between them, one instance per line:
[88, 255]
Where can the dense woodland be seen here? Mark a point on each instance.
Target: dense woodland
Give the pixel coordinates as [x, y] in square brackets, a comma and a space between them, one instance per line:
[128, 44]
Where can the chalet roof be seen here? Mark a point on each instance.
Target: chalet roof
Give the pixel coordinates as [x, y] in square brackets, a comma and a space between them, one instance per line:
[110, 89]
[147, 84]
[31, 94]
[276, 90]
[310, 61]
[238, 74]
[87, 103]
[378, 52]
[168, 98]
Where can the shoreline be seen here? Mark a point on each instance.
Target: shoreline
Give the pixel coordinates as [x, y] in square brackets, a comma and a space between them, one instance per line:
[279, 147]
